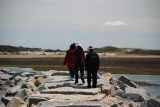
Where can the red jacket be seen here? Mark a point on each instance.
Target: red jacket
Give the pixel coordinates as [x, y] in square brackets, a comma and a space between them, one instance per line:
[70, 58]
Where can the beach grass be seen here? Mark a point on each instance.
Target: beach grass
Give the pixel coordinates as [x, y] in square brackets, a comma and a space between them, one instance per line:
[139, 66]
[145, 84]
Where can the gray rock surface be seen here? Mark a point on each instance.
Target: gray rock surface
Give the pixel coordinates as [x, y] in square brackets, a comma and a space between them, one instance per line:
[72, 104]
[13, 91]
[6, 100]
[5, 76]
[128, 81]
[133, 97]
[139, 91]
[150, 103]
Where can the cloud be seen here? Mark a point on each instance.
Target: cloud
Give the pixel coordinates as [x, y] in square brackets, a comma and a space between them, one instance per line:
[115, 23]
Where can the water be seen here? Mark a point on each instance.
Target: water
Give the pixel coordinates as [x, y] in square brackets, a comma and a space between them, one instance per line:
[153, 79]
[17, 69]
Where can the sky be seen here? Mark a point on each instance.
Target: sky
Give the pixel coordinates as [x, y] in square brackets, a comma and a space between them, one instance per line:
[55, 24]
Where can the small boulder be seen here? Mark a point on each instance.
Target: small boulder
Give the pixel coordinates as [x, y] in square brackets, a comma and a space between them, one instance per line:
[107, 76]
[31, 85]
[13, 91]
[133, 97]
[24, 94]
[128, 81]
[133, 104]
[41, 87]
[139, 91]
[5, 76]
[16, 102]
[121, 85]
[24, 85]
[40, 81]
[150, 103]
[107, 89]
[6, 100]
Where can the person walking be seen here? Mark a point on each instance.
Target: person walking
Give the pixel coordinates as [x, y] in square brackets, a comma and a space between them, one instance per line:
[92, 66]
[70, 60]
[79, 63]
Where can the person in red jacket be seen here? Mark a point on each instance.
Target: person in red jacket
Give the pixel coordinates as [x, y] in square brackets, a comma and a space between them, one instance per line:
[70, 60]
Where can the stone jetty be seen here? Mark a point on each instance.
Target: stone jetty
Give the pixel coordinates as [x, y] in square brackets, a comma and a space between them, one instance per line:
[55, 89]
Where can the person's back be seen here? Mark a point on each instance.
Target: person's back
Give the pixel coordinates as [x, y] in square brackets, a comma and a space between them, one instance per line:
[92, 66]
[92, 60]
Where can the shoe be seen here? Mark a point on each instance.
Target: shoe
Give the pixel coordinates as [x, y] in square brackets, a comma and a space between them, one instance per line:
[83, 81]
[88, 86]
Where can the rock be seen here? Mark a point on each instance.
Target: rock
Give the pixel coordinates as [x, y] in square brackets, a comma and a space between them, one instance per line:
[6, 100]
[110, 100]
[150, 103]
[16, 102]
[139, 91]
[20, 79]
[133, 104]
[65, 97]
[2, 105]
[24, 85]
[35, 101]
[128, 81]
[107, 89]
[103, 81]
[40, 81]
[114, 105]
[37, 76]
[60, 73]
[14, 73]
[70, 90]
[13, 91]
[107, 76]
[72, 104]
[121, 85]
[41, 87]
[23, 94]
[4, 76]
[118, 92]
[133, 97]
[27, 74]
[31, 85]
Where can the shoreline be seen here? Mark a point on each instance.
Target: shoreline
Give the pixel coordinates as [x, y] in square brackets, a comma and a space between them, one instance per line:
[62, 56]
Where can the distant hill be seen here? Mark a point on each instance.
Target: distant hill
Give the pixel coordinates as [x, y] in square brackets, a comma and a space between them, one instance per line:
[137, 51]
[8, 48]
[109, 49]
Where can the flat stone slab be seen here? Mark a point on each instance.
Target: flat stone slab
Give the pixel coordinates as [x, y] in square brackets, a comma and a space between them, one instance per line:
[4, 76]
[67, 83]
[66, 97]
[72, 104]
[70, 90]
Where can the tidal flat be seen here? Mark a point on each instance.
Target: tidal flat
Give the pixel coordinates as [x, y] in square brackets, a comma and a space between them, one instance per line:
[122, 65]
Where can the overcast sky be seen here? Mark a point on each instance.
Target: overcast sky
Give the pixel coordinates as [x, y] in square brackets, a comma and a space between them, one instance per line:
[55, 24]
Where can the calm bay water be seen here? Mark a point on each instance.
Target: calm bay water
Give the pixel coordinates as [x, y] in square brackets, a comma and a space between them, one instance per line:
[17, 69]
[153, 79]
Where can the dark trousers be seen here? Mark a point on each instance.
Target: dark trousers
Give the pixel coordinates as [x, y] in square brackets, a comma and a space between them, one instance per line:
[93, 74]
[80, 66]
[72, 71]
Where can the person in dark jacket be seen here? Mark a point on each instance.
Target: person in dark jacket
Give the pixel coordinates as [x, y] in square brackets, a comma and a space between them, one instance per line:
[92, 66]
[79, 63]
[70, 60]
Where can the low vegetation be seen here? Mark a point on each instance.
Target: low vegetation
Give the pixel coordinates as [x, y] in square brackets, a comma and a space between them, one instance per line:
[141, 66]
[145, 84]
[7, 48]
